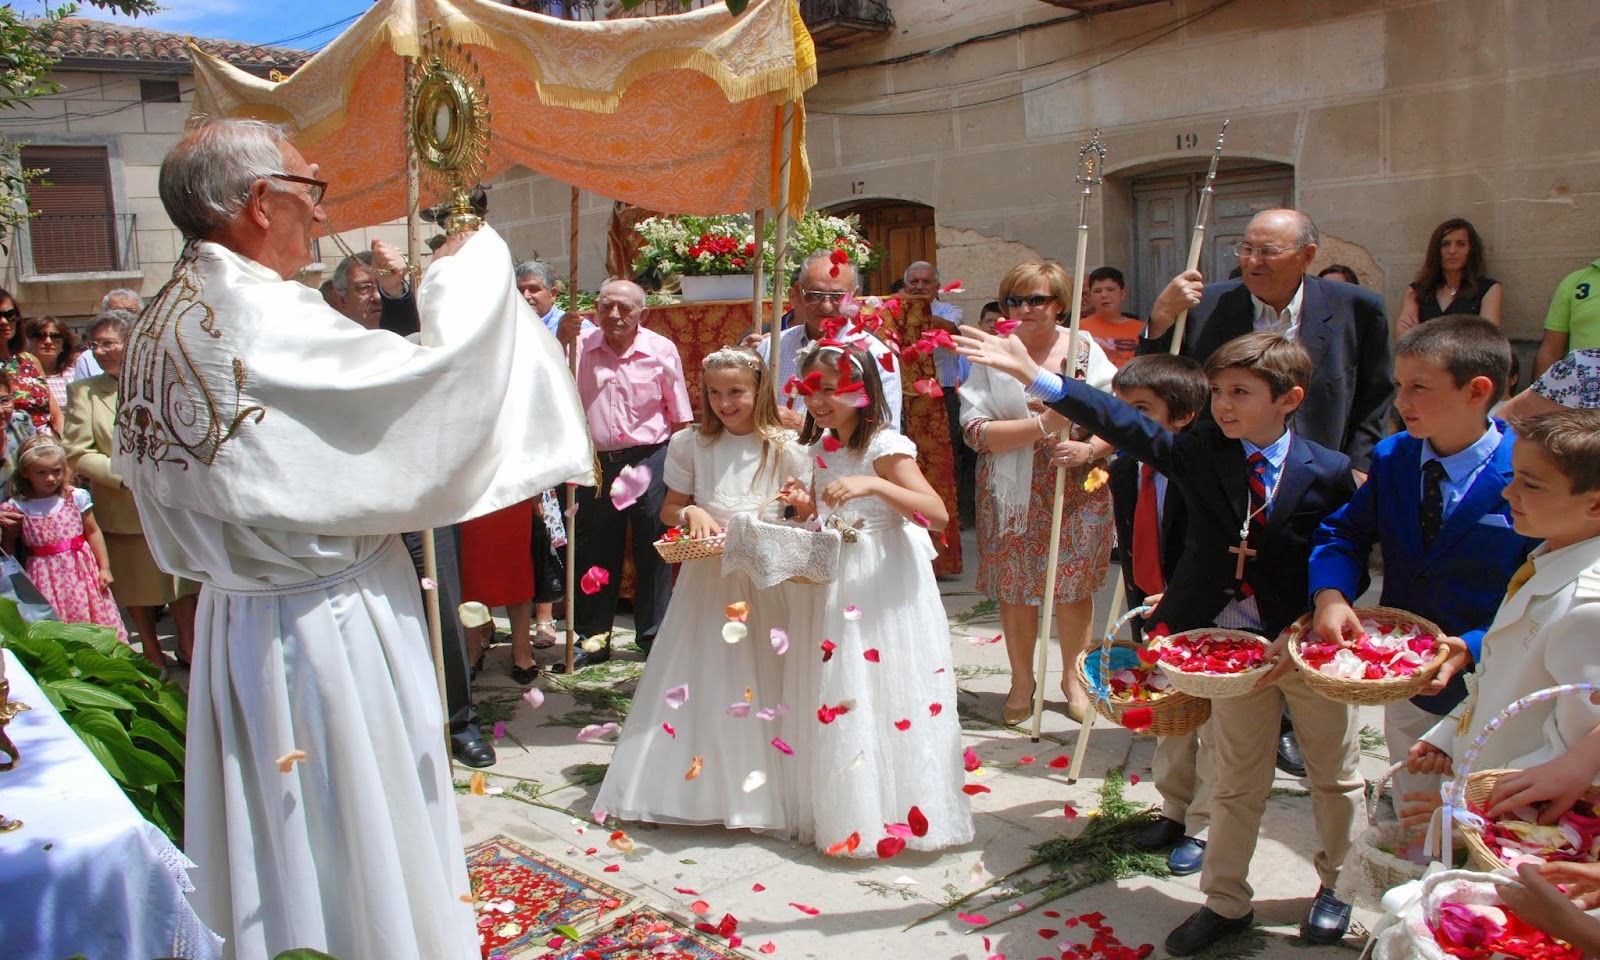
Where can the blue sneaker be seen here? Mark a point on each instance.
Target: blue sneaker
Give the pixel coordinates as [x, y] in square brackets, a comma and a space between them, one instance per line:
[1187, 857]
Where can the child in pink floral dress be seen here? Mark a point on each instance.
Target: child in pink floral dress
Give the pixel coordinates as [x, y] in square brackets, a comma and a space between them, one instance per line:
[66, 552]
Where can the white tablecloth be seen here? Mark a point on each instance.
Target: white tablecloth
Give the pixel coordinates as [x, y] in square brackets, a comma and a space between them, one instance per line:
[86, 873]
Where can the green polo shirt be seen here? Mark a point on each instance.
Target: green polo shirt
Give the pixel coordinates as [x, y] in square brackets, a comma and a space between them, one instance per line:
[1575, 309]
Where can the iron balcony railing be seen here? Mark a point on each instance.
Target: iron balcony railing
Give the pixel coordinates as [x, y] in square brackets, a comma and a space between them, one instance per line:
[65, 243]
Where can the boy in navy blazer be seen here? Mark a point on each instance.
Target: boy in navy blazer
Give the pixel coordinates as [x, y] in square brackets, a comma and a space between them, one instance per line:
[1432, 503]
[1256, 494]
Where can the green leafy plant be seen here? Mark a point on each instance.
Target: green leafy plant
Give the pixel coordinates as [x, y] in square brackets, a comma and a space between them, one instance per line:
[117, 704]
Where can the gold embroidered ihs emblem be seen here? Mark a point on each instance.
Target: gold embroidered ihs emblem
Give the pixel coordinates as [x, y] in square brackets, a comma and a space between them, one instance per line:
[171, 412]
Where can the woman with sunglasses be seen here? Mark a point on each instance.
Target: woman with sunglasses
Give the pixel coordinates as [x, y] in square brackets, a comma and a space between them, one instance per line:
[27, 378]
[1019, 449]
[56, 348]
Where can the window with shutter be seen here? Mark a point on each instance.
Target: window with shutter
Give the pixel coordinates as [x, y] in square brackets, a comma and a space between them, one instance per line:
[74, 228]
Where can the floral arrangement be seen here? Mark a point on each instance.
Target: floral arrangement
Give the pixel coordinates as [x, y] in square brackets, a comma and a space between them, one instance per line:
[1383, 650]
[1482, 932]
[685, 246]
[1520, 838]
[1211, 653]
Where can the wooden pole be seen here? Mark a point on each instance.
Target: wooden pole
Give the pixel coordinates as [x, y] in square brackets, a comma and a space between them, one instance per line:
[572, 488]
[759, 285]
[1197, 240]
[779, 244]
[1091, 157]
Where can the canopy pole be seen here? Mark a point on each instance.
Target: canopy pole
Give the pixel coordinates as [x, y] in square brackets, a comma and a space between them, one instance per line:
[758, 287]
[430, 557]
[779, 245]
[572, 488]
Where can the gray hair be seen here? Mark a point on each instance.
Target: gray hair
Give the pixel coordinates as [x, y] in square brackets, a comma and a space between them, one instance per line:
[634, 290]
[205, 179]
[528, 269]
[800, 271]
[918, 264]
[124, 295]
[1309, 234]
[119, 320]
[341, 273]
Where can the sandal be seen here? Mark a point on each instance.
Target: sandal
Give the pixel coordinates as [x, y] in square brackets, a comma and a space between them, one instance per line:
[544, 635]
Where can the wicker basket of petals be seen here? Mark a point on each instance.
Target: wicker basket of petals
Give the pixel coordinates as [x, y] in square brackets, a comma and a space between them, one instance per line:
[678, 547]
[1399, 655]
[1212, 662]
[1122, 678]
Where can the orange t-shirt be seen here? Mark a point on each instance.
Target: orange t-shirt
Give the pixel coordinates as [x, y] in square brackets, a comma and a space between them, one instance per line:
[1119, 340]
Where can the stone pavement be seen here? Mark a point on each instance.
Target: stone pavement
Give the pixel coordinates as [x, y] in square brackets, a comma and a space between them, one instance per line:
[864, 905]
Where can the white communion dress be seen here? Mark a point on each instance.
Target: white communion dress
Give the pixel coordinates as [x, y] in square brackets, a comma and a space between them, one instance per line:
[735, 690]
[897, 743]
[275, 449]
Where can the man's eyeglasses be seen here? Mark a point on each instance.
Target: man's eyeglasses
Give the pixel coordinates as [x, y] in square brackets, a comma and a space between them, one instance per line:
[1035, 301]
[104, 344]
[817, 296]
[1266, 251]
[318, 187]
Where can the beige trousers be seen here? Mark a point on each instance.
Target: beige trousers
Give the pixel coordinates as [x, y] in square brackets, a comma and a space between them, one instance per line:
[1185, 769]
[1246, 732]
[1404, 723]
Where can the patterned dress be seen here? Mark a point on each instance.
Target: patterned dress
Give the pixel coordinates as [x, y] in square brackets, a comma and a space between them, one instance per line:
[61, 563]
[32, 394]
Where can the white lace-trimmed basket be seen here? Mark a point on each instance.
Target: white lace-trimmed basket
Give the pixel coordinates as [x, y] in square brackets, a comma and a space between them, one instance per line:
[1407, 932]
[1371, 870]
[1472, 787]
[770, 553]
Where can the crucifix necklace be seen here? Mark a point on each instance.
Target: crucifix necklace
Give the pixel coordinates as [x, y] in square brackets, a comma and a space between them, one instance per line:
[1243, 549]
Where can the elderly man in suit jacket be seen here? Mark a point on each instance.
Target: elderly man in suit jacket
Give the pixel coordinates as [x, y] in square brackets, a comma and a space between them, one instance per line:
[1341, 325]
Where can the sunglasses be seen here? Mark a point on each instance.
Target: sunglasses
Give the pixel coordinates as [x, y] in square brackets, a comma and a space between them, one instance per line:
[1037, 300]
[12, 314]
[51, 336]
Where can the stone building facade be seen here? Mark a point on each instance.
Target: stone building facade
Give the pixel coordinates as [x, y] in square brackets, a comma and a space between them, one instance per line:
[1380, 118]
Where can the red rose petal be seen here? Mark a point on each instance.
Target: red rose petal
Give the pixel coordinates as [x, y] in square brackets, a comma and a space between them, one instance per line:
[1060, 763]
[973, 789]
[873, 656]
[613, 868]
[970, 761]
[700, 907]
[756, 888]
[1025, 760]
[902, 725]
[831, 443]
[807, 910]
[828, 646]
[1139, 718]
[889, 846]
[1070, 811]
[934, 709]
[768, 947]
[918, 821]
[1133, 780]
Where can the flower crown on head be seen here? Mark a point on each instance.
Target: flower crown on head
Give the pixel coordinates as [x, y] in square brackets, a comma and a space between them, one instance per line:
[724, 355]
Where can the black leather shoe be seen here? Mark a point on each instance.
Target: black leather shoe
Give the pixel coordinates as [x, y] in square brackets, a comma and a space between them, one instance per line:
[1203, 929]
[1290, 759]
[583, 658]
[1160, 834]
[1187, 857]
[473, 753]
[1328, 919]
[522, 676]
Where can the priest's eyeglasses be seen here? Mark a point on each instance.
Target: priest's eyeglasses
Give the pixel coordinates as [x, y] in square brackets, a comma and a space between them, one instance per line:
[318, 187]
[1036, 301]
[1266, 251]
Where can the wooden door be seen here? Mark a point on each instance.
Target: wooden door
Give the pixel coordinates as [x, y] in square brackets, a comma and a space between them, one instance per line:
[902, 231]
[1165, 206]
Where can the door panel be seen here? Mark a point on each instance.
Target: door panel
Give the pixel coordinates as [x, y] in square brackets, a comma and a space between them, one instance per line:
[902, 230]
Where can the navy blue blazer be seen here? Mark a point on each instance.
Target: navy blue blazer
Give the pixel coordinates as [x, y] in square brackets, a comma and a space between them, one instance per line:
[1210, 470]
[1459, 581]
[1344, 329]
[1174, 525]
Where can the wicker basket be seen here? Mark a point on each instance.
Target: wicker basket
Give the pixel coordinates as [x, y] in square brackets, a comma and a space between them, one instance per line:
[1360, 692]
[1470, 789]
[1176, 713]
[1212, 686]
[1370, 871]
[679, 551]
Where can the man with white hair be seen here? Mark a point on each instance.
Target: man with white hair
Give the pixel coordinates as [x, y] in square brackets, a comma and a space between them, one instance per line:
[119, 299]
[274, 449]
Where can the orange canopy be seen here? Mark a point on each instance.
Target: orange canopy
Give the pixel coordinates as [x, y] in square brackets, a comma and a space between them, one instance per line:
[676, 113]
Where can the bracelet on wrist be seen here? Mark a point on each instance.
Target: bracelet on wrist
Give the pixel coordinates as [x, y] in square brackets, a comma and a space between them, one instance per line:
[1042, 431]
[683, 515]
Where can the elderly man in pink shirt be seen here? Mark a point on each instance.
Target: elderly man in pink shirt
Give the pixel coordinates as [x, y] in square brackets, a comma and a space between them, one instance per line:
[631, 383]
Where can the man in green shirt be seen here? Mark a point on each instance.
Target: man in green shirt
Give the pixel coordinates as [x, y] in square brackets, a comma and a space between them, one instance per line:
[1574, 319]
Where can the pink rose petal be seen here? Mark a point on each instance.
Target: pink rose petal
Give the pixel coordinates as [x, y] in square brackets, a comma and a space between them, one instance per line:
[852, 612]
[677, 696]
[630, 485]
[780, 641]
[534, 697]
[783, 748]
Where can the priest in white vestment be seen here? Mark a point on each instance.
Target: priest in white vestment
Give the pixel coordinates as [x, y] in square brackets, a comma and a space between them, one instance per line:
[275, 449]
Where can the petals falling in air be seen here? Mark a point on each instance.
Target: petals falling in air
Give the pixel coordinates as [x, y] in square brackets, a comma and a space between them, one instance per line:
[630, 485]
[677, 696]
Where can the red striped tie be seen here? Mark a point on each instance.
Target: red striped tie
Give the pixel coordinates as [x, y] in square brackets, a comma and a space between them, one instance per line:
[1147, 574]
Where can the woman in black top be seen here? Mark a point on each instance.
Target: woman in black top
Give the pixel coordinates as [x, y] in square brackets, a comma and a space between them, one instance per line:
[1452, 279]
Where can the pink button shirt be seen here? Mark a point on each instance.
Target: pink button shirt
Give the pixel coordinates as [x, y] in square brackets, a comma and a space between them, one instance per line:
[634, 399]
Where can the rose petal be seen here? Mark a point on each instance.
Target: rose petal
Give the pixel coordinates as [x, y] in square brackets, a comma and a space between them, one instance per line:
[595, 578]
[889, 846]
[1139, 718]
[782, 747]
[901, 830]
[768, 947]
[828, 646]
[733, 631]
[753, 781]
[821, 463]
[428, 583]
[700, 907]
[677, 696]
[920, 520]
[934, 709]
[973, 789]
[631, 483]
[970, 761]
[595, 731]
[739, 611]
[872, 656]
[1060, 763]
[739, 710]
[975, 918]
[854, 762]
[780, 641]
[807, 910]
[476, 785]
[620, 841]
[918, 822]
[830, 443]
[1070, 811]
[852, 612]
[613, 868]
[670, 731]
[902, 725]
[695, 766]
[1133, 780]
[1005, 327]
[287, 761]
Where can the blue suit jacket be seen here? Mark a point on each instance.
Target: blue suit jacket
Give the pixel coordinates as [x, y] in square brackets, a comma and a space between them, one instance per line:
[1459, 581]
[1343, 327]
[1210, 470]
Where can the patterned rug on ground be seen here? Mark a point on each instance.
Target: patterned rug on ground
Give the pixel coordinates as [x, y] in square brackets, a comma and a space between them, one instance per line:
[645, 934]
[521, 896]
